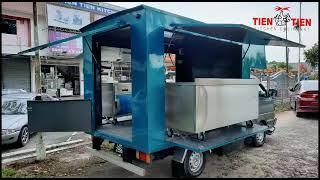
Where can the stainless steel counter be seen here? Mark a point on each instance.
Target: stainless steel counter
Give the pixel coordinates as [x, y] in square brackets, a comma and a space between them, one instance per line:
[210, 103]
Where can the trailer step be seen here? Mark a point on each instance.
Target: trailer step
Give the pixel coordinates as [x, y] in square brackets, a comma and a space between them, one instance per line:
[116, 160]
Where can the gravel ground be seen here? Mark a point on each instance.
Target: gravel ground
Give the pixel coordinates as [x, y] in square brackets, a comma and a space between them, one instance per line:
[292, 151]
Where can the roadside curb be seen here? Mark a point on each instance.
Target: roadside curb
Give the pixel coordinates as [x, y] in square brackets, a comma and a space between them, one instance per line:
[28, 153]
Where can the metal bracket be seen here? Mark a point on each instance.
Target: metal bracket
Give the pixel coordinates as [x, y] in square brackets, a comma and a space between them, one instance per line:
[246, 52]
[116, 160]
[179, 155]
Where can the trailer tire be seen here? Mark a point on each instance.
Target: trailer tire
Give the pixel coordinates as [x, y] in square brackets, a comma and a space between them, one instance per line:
[248, 141]
[118, 148]
[259, 139]
[170, 132]
[249, 124]
[201, 136]
[192, 166]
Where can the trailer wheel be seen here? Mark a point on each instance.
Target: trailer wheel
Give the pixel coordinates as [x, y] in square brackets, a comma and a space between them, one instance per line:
[259, 139]
[192, 166]
[201, 136]
[118, 148]
[249, 124]
[169, 132]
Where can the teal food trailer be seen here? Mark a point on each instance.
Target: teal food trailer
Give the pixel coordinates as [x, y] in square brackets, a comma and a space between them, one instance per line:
[203, 51]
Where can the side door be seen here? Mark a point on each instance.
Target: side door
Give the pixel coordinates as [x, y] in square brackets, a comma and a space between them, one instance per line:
[66, 115]
[59, 116]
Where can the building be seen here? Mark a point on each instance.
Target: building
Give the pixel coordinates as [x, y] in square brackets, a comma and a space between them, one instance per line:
[61, 65]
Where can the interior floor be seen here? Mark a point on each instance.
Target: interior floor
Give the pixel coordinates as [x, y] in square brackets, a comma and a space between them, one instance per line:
[122, 130]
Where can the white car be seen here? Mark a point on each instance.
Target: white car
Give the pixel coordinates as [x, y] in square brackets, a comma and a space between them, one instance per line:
[14, 115]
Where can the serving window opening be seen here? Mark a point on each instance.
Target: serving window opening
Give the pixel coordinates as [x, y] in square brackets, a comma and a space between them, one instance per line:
[113, 50]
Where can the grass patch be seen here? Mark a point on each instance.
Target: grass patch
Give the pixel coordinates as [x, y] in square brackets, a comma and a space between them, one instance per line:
[8, 172]
[282, 106]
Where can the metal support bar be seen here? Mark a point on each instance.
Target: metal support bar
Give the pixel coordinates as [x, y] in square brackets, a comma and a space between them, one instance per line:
[208, 37]
[179, 155]
[246, 52]
[94, 57]
[116, 160]
[166, 53]
[99, 30]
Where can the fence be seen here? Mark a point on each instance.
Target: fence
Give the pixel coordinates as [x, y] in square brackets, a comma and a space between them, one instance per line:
[281, 83]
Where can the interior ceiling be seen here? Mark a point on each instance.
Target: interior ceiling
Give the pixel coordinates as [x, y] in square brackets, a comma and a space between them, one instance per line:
[121, 38]
[24, 7]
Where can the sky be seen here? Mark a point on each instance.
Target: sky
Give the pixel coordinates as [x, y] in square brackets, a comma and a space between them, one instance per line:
[243, 13]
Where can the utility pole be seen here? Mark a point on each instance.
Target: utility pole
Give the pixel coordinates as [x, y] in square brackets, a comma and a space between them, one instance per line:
[40, 148]
[299, 30]
[287, 59]
[287, 62]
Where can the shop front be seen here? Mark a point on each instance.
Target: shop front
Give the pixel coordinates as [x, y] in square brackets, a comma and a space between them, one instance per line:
[60, 78]
[15, 72]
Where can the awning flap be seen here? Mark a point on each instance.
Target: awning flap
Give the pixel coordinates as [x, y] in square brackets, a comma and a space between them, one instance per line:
[87, 33]
[238, 33]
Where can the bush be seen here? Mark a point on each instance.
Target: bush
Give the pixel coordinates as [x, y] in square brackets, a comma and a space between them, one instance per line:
[314, 77]
[282, 106]
[8, 172]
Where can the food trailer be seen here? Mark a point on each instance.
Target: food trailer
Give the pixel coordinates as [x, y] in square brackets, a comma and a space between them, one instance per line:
[212, 103]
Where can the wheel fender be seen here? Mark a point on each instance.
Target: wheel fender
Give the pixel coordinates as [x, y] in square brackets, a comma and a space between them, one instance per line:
[180, 155]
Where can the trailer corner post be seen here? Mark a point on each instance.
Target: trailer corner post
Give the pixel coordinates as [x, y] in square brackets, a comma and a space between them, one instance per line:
[40, 148]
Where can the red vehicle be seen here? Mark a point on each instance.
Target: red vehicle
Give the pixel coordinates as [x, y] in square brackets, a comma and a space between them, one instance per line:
[304, 97]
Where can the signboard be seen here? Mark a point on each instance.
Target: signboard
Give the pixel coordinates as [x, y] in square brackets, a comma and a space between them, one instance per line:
[67, 18]
[91, 7]
[97, 17]
[73, 47]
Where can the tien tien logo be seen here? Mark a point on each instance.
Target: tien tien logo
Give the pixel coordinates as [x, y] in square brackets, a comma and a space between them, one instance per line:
[281, 19]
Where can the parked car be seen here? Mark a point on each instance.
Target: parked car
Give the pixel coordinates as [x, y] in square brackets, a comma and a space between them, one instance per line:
[304, 97]
[14, 115]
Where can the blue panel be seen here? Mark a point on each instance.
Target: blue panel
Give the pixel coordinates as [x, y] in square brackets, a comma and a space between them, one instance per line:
[125, 103]
[148, 79]
[139, 85]
[88, 74]
[155, 82]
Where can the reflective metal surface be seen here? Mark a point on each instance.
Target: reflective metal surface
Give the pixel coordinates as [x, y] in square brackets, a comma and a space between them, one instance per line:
[108, 99]
[211, 103]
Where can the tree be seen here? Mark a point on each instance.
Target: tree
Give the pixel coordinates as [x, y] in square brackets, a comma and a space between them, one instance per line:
[274, 65]
[312, 55]
[281, 65]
